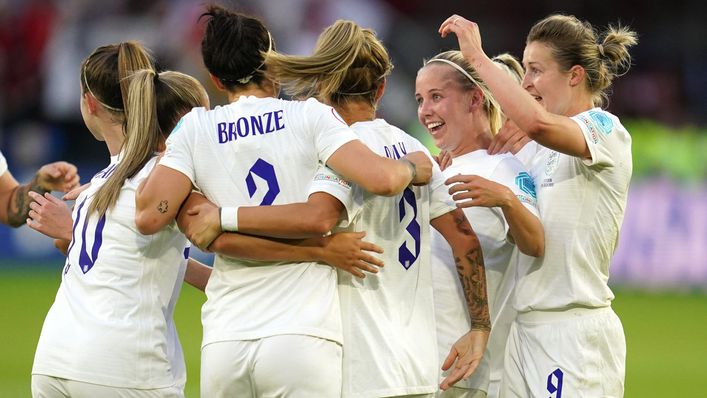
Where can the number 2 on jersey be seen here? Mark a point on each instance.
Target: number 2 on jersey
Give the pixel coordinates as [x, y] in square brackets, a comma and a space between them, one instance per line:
[405, 256]
[266, 171]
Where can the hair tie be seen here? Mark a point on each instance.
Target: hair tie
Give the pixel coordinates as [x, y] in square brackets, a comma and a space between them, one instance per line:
[155, 78]
[601, 50]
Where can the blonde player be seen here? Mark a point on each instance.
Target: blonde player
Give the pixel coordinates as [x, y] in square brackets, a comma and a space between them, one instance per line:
[566, 340]
[261, 150]
[110, 332]
[14, 199]
[498, 197]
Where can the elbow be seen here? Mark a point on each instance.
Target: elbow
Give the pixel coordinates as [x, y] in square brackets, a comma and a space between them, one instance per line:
[385, 185]
[321, 225]
[145, 224]
[534, 249]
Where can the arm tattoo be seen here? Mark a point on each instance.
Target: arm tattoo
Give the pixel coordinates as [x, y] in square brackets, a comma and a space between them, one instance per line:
[472, 275]
[163, 206]
[18, 207]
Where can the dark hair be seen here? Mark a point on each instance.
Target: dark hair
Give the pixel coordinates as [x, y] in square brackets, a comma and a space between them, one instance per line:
[574, 42]
[233, 47]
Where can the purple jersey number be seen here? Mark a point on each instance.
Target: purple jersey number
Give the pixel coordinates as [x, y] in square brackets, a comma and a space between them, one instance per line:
[405, 256]
[86, 262]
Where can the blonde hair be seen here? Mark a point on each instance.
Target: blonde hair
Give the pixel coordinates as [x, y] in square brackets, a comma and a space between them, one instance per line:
[154, 105]
[349, 63]
[468, 79]
[510, 65]
[574, 42]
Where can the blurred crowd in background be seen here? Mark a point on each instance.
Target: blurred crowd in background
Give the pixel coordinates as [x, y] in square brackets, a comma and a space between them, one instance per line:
[42, 43]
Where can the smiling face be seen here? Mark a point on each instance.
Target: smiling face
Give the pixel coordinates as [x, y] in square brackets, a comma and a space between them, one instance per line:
[545, 80]
[443, 107]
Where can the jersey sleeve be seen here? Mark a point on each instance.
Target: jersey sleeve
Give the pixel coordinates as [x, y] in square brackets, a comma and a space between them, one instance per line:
[180, 146]
[511, 173]
[527, 153]
[3, 164]
[329, 129]
[326, 180]
[441, 201]
[604, 136]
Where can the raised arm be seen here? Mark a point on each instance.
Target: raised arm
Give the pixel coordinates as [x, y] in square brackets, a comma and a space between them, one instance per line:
[467, 352]
[159, 197]
[551, 130]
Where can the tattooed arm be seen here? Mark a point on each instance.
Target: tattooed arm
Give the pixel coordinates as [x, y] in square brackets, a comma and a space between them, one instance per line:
[159, 197]
[467, 352]
[14, 198]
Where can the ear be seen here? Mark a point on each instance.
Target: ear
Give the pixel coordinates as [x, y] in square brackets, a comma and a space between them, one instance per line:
[91, 103]
[215, 80]
[477, 99]
[380, 90]
[576, 74]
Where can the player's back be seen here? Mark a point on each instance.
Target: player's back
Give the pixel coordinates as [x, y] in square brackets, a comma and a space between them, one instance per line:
[111, 322]
[388, 317]
[261, 151]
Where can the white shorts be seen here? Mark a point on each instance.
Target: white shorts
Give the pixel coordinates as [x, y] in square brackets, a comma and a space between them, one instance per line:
[54, 387]
[278, 366]
[575, 353]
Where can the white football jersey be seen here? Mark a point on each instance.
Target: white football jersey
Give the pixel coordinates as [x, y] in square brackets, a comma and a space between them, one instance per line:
[261, 151]
[389, 330]
[111, 322]
[451, 312]
[582, 205]
[3, 164]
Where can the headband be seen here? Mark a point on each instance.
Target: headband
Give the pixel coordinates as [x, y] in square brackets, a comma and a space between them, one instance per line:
[88, 88]
[455, 66]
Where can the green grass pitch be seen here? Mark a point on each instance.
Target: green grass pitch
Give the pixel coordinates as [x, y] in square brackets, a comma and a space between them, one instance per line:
[666, 335]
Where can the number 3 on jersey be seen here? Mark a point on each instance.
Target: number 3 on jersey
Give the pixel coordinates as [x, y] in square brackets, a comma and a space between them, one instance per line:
[408, 202]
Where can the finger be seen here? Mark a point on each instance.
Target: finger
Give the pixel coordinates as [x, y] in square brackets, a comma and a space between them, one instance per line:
[51, 198]
[366, 267]
[462, 196]
[459, 178]
[372, 260]
[37, 198]
[449, 360]
[355, 272]
[32, 215]
[451, 379]
[370, 247]
[465, 204]
[192, 211]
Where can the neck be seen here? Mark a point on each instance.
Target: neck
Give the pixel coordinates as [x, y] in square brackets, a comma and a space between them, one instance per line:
[477, 137]
[255, 90]
[356, 111]
[113, 136]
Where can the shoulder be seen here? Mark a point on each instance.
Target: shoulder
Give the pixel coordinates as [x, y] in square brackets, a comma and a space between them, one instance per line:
[598, 123]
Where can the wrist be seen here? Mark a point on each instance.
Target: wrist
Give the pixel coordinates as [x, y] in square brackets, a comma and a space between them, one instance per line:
[228, 217]
[412, 167]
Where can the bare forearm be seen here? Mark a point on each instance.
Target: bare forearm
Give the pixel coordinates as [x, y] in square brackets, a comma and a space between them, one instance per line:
[197, 274]
[297, 220]
[265, 249]
[469, 261]
[18, 206]
[525, 229]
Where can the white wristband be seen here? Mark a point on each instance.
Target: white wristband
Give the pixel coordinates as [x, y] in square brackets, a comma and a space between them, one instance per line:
[229, 219]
